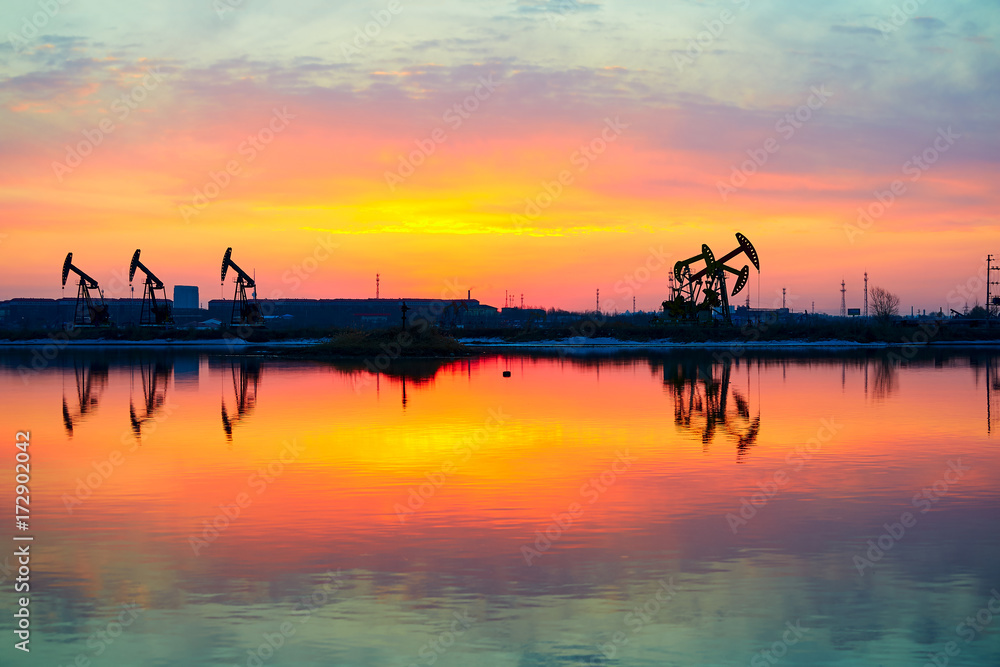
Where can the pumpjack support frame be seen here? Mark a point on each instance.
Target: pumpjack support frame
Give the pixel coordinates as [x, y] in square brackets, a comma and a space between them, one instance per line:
[155, 310]
[90, 309]
[246, 311]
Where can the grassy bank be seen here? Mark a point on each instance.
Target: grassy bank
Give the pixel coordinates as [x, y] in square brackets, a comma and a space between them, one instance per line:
[393, 343]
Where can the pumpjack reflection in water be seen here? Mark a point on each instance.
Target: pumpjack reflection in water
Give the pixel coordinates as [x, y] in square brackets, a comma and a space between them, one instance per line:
[706, 401]
[246, 376]
[155, 377]
[91, 378]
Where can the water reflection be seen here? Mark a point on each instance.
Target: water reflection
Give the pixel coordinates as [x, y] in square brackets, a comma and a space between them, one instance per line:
[90, 378]
[476, 492]
[706, 401]
[246, 378]
[154, 377]
[990, 372]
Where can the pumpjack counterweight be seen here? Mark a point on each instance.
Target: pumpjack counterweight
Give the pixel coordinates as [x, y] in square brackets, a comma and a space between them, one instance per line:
[246, 312]
[155, 309]
[90, 309]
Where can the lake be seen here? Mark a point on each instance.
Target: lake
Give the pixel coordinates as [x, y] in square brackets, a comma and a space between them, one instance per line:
[679, 508]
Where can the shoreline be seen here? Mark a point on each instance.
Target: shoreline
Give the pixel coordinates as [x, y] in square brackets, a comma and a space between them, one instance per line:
[485, 344]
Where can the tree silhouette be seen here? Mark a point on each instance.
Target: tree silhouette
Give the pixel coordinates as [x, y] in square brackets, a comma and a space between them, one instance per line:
[884, 304]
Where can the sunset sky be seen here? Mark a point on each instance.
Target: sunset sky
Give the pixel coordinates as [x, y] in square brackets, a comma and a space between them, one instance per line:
[425, 141]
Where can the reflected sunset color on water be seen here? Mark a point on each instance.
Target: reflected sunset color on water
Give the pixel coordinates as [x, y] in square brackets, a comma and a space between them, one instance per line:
[669, 509]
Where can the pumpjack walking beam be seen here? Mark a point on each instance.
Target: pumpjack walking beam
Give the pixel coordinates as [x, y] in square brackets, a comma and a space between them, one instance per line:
[90, 308]
[246, 312]
[155, 309]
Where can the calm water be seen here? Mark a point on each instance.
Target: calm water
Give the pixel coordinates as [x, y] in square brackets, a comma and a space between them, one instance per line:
[648, 510]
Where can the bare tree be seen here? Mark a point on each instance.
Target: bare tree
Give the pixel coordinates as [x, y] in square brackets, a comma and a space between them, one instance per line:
[884, 304]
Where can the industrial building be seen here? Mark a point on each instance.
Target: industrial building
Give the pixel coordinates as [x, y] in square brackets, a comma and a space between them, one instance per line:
[186, 296]
[54, 314]
[355, 313]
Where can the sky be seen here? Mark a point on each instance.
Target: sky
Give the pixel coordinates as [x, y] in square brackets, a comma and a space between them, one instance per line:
[548, 148]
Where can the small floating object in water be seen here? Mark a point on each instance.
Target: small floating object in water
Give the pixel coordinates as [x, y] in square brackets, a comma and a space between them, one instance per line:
[506, 374]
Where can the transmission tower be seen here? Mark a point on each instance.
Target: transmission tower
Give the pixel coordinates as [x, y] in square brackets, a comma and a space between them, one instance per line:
[992, 302]
[782, 297]
[843, 299]
[377, 279]
[866, 294]
[598, 299]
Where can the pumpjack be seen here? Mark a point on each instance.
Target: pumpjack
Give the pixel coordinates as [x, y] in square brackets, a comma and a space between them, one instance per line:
[246, 312]
[246, 377]
[155, 309]
[706, 402]
[709, 284]
[155, 378]
[90, 308]
[91, 379]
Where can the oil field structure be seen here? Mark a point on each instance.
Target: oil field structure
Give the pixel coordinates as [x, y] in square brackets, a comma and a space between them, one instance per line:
[90, 308]
[702, 296]
[155, 309]
[246, 312]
